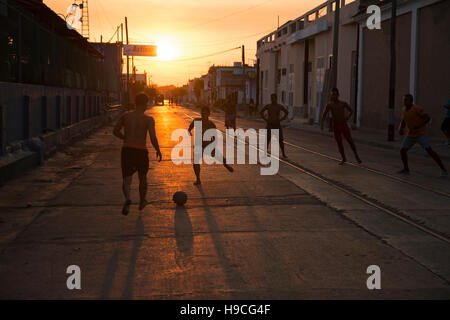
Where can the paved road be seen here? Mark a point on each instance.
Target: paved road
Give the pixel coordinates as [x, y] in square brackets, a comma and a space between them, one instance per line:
[241, 234]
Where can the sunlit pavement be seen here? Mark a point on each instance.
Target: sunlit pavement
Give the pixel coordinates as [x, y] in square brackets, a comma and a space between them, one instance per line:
[240, 235]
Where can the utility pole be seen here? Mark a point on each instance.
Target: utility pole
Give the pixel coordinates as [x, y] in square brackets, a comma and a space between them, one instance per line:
[392, 74]
[334, 60]
[243, 77]
[128, 65]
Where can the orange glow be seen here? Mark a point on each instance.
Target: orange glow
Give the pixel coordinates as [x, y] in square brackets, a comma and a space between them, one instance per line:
[185, 29]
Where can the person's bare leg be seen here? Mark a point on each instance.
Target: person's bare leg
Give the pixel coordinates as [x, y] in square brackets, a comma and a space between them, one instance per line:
[142, 190]
[341, 151]
[224, 161]
[197, 174]
[282, 143]
[436, 158]
[126, 186]
[352, 145]
[404, 155]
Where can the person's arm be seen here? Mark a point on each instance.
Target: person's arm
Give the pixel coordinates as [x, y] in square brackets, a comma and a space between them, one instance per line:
[262, 113]
[346, 106]
[324, 115]
[191, 126]
[154, 139]
[118, 128]
[285, 111]
[402, 125]
[425, 119]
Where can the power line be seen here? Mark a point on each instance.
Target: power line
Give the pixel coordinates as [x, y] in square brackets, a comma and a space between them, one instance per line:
[201, 57]
[227, 16]
[209, 43]
[113, 35]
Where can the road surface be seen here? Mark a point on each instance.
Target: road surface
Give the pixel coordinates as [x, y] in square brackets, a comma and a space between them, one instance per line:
[308, 232]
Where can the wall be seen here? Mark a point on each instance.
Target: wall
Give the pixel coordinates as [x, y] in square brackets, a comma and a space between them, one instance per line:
[12, 100]
[433, 80]
[374, 113]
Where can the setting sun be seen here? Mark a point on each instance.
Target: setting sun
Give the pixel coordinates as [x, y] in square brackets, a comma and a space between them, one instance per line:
[166, 50]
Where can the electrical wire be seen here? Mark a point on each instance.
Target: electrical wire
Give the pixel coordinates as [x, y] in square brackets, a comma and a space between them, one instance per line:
[226, 16]
[199, 57]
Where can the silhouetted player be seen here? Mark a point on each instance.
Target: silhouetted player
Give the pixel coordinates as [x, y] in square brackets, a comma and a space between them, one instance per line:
[340, 127]
[416, 120]
[230, 113]
[134, 156]
[273, 120]
[206, 124]
[445, 126]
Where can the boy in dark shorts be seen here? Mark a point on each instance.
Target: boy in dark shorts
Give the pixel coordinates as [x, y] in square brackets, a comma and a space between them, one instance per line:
[230, 113]
[134, 155]
[273, 120]
[206, 124]
[340, 127]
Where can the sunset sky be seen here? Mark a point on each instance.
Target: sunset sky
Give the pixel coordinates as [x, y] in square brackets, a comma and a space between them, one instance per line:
[186, 29]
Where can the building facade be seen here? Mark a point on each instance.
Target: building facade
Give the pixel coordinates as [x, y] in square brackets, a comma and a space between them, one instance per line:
[50, 76]
[294, 61]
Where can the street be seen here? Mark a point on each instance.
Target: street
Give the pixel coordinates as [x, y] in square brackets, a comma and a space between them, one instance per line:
[308, 232]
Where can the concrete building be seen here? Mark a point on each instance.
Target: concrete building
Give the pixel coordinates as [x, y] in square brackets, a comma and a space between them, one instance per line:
[226, 80]
[423, 64]
[52, 81]
[112, 53]
[294, 61]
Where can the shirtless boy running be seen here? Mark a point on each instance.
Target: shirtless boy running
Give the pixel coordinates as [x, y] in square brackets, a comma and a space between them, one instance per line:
[134, 157]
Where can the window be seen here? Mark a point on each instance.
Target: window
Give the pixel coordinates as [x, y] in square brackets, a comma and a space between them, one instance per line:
[77, 108]
[266, 79]
[68, 111]
[44, 113]
[26, 117]
[291, 99]
[58, 112]
[291, 68]
[282, 96]
[2, 129]
[293, 27]
[283, 71]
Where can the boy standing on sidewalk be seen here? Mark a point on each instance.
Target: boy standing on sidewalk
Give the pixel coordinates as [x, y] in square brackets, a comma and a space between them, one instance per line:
[340, 127]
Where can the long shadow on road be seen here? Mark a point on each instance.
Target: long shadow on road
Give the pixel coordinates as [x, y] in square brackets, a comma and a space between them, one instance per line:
[233, 277]
[183, 233]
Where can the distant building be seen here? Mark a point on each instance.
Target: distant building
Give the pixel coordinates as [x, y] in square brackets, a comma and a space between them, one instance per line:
[226, 80]
[112, 53]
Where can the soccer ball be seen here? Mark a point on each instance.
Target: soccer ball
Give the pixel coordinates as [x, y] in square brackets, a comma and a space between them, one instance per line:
[179, 198]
